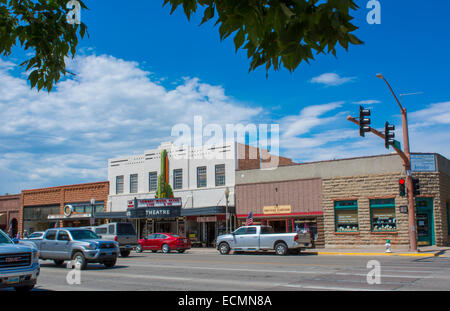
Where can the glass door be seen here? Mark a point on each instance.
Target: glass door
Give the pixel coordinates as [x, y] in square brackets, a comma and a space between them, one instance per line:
[425, 222]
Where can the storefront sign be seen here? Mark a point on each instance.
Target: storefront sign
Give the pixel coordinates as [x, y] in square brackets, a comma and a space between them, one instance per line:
[278, 209]
[423, 162]
[154, 212]
[72, 216]
[145, 203]
[207, 219]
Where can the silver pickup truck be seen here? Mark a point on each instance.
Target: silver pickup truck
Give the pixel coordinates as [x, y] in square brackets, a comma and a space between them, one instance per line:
[80, 245]
[19, 264]
[262, 238]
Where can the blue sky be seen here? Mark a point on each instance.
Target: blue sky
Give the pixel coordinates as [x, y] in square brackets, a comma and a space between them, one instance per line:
[142, 71]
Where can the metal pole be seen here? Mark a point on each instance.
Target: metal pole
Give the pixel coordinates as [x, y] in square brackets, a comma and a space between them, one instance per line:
[407, 164]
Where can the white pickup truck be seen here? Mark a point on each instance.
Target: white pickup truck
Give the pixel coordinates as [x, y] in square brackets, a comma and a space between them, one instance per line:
[262, 238]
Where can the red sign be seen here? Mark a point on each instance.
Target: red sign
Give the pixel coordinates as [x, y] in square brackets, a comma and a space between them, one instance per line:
[155, 203]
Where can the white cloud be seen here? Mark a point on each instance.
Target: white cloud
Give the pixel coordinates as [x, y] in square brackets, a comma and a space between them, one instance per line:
[434, 114]
[367, 102]
[331, 79]
[111, 107]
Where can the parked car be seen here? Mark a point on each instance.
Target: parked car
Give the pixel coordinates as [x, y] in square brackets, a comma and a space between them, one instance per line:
[78, 244]
[164, 242]
[19, 264]
[38, 235]
[262, 238]
[120, 232]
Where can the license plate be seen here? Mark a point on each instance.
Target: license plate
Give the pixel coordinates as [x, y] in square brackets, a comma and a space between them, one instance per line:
[14, 280]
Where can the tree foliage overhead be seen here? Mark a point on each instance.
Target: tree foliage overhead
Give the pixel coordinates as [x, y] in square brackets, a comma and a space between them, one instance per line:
[275, 32]
[40, 26]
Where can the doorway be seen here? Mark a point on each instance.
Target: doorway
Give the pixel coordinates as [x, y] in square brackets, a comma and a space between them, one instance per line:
[425, 222]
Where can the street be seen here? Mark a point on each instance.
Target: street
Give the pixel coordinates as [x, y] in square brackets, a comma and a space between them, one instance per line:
[206, 270]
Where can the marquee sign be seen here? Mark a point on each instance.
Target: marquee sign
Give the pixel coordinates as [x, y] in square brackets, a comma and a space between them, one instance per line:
[278, 209]
[154, 212]
[146, 203]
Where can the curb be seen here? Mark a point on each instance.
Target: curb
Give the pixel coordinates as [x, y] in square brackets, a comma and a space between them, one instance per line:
[376, 254]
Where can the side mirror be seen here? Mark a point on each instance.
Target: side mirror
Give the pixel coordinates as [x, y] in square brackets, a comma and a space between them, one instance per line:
[16, 241]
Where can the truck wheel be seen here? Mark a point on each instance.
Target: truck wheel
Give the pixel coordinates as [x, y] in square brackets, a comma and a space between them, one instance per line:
[281, 249]
[165, 248]
[224, 248]
[80, 260]
[124, 253]
[58, 262]
[110, 263]
[181, 251]
[139, 249]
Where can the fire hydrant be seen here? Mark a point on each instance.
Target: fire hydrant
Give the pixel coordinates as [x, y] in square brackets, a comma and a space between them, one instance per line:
[388, 246]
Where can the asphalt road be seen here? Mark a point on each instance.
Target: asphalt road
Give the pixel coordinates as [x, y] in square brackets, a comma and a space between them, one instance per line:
[208, 271]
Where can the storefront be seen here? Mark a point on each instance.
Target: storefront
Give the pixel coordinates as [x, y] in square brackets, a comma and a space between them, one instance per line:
[63, 206]
[286, 206]
[9, 213]
[156, 216]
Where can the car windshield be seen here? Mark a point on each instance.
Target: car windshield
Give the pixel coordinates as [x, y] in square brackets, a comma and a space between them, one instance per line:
[84, 235]
[35, 235]
[4, 239]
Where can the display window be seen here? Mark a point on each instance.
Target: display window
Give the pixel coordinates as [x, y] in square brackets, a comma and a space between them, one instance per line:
[383, 216]
[346, 216]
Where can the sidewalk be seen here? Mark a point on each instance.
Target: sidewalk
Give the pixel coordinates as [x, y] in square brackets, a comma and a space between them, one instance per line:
[426, 251]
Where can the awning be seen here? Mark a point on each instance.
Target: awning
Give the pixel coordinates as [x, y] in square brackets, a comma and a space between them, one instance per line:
[71, 217]
[111, 215]
[204, 211]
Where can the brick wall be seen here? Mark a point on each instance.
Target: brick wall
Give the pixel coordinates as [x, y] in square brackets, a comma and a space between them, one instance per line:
[444, 185]
[9, 206]
[63, 195]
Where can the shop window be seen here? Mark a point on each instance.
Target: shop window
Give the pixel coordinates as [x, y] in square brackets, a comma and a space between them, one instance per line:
[346, 216]
[119, 184]
[383, 217]
[133, 183]
[201, 176]
[178, 179]
[220, 175]
[152, 181]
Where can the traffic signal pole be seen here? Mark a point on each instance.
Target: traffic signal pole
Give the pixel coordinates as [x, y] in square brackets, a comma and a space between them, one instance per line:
[406, 157]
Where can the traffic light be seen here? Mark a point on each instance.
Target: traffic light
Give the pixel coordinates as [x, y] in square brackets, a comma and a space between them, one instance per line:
[402, 187]
[389, 133]
[364, 123]
[416, 186]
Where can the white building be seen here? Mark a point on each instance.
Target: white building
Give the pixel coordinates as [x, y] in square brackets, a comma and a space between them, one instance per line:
[199, 176]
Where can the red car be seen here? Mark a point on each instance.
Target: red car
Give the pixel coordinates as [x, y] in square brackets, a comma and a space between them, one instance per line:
[164, 242]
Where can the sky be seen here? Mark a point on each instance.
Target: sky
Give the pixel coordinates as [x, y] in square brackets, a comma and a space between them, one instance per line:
[142, 71]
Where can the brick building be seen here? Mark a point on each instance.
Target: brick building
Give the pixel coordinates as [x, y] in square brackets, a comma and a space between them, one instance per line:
[43, 208]
[360, 203]
[10, 213]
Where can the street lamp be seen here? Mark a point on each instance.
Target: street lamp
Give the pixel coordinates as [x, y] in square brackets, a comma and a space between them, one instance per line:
[407, 164]
[227, 195]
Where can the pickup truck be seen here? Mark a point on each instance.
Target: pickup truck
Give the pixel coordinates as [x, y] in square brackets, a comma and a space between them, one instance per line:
[262, 238]
[19, 264]
[82, 246]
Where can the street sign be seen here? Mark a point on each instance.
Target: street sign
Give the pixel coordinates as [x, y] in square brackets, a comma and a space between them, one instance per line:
[397, 145]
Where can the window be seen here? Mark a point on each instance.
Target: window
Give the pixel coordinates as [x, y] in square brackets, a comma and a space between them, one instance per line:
[111, 229]
[346, 216]
[178, 179]
[201, 176]
[152, 181]
[119, 184]
[51, 235]
[267, 230]
[133, 183]
[63, 236]
[383, 218]
[240, 231]
[220, 175]
[101, 230]
[251, 230]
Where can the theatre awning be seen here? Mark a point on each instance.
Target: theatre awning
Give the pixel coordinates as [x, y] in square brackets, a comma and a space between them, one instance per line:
[203, 211]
